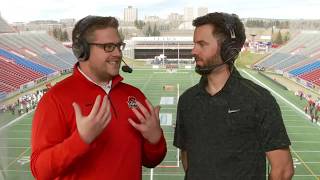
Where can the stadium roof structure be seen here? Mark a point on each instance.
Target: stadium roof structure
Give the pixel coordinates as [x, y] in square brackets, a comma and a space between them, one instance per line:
[5, 27]
[163, 38]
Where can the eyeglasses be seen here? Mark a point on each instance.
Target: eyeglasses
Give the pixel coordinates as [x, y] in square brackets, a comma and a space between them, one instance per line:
[109, 47]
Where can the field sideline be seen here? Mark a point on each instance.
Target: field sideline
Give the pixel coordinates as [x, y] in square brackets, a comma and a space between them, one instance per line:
[15, 137]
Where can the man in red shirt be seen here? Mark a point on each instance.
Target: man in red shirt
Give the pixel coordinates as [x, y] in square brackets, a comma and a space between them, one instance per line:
[91, 125]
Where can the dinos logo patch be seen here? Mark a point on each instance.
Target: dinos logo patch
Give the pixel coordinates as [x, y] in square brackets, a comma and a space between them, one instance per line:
[132, 102]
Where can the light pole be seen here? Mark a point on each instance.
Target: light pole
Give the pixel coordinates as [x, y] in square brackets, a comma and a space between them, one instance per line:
[178, 54]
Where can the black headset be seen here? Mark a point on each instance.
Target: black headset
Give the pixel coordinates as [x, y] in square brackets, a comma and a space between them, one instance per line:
[229, 48]
[80, 46]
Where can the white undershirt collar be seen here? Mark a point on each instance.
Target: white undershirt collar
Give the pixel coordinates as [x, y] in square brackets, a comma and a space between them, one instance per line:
[105, 86]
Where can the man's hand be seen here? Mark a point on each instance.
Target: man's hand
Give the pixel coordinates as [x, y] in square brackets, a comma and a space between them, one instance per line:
[89, 127]
[149, 125]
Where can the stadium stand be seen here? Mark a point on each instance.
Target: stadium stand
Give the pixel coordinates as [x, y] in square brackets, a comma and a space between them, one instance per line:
[288, 62]
[273, 59]
[14, 76]
[25, 62]
[29, 58]
[4, 26]
[2, 95]
[172, 47]
[14, 48]
[305, 69]
[5, 88]
[298, 50]
[300, 64]
[299, 59]
[311, 76]
[317, 82]
[39, 47]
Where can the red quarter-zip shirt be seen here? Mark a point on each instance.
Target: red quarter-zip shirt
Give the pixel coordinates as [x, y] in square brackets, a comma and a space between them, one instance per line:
[58, 152]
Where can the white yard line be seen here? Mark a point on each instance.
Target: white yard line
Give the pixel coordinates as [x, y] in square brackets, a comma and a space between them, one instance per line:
[15, 120]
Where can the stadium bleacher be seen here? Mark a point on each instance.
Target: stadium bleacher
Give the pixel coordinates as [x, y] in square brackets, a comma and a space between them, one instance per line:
[273, 59]
[298, 49]
[26, 63]
[28, 58]
[13, 76]
[4, 26]
[40, 48]
[311, 76]
[2, 95]
[19, 70]
[288, 61]
[317, 82]
[307, 68]
[299, 58]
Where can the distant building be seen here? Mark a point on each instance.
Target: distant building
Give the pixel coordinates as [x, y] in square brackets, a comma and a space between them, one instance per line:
[186, 26]
[188, 14]
[147, 48]
[46, 25]
[175, 17]
[130, 14]
[202, 11]
[68, 22]
[152, 19]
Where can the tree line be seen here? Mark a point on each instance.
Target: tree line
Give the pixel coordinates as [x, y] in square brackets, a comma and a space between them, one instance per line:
[59, 34]
[283, 24]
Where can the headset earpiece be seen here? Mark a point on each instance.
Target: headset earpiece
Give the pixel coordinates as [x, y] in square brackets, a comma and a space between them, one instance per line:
[78, 49]
[229, 52]
[83, 50]
[229, 49]
[80, 46]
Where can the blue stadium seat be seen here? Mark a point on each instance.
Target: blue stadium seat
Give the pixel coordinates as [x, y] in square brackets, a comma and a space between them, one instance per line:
[26, 63]
[2, 95]
[305, 69]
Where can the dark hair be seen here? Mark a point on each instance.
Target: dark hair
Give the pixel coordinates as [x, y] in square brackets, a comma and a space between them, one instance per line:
[83, 33]
[229, 29]
[85, 27]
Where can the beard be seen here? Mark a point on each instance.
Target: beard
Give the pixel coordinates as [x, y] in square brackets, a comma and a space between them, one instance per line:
[211, 63]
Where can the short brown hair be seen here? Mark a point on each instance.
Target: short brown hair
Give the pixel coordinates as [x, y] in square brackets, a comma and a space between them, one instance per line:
[219, 21]
[85, 27]
[229, 31]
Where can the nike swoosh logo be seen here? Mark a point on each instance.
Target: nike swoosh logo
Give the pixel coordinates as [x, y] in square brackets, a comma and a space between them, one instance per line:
[233, 110]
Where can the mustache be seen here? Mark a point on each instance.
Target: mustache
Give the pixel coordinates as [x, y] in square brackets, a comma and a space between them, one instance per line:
[197, 58]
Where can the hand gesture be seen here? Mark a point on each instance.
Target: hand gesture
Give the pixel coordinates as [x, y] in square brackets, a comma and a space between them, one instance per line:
[89, 127]
[149, 125]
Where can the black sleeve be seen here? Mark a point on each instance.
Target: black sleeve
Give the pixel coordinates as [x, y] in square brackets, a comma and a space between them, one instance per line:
[179, 135]
[272, 131]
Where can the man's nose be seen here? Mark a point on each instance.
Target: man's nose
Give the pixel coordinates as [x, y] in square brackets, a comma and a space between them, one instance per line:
[194, 51]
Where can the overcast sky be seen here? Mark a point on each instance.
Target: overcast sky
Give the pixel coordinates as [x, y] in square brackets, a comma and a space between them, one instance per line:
[27, 10]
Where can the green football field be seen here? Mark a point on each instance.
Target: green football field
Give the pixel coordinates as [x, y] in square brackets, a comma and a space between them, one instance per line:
[15, 132]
